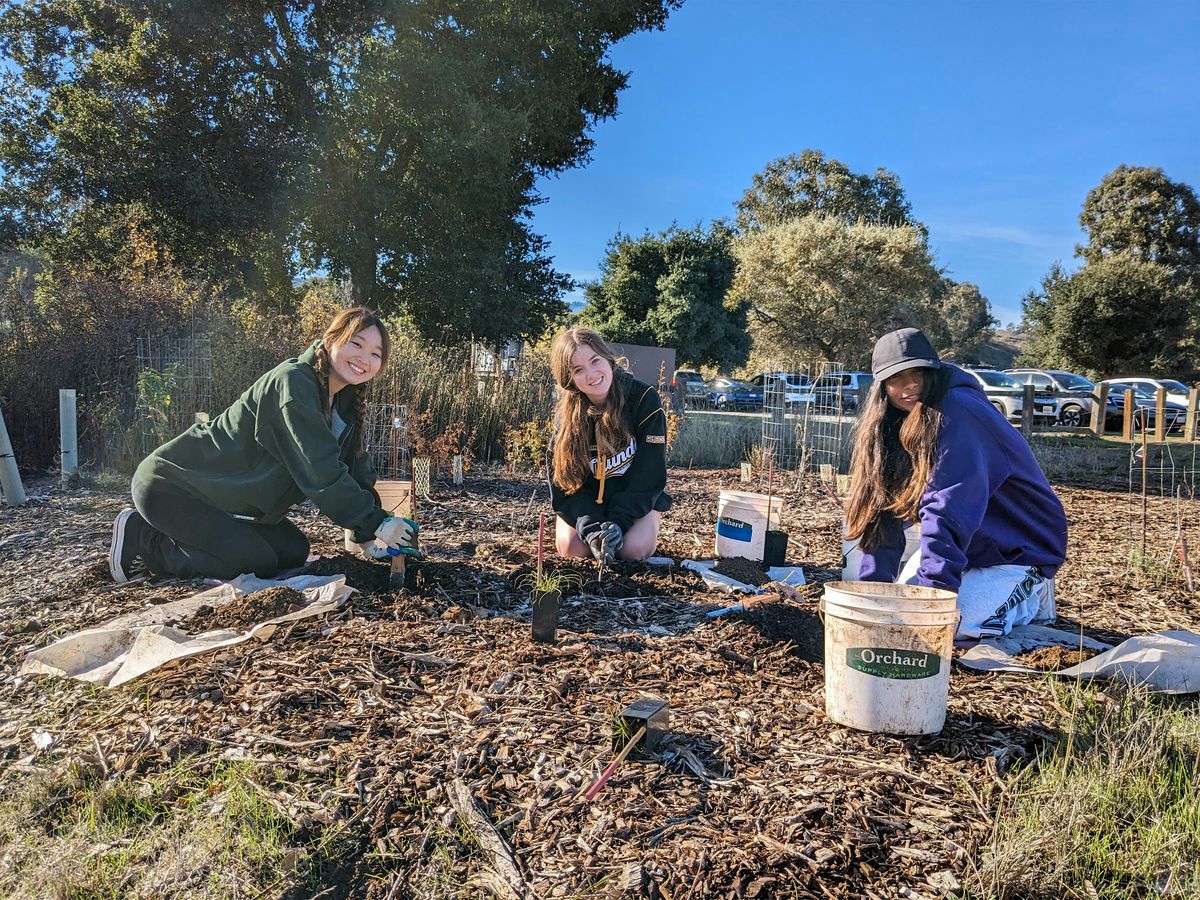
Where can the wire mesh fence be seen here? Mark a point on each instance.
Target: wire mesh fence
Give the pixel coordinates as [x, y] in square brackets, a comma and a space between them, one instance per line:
[1163, 520]
[174, 383]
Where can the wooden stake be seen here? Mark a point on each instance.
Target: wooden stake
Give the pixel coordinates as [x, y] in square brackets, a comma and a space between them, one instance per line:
[612, 766]
[1187, 568]
[541, 550]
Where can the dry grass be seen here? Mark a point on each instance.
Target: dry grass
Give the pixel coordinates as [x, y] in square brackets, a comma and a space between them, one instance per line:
[199, 829]
[1112, 810]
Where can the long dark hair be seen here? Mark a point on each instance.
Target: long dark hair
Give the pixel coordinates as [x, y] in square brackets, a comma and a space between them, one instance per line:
[573, 414]
[894, 454]
[341, 328]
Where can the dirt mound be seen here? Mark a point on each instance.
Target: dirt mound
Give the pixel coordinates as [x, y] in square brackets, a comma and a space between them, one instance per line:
[246, 611]
[783, 622]
[1051, 658]
[747, 571]
[368, 577]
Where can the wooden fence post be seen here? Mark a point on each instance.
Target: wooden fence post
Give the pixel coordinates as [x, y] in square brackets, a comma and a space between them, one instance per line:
[1127, 420]
[1160, 414]
[1189, 428]
[67, 434]
[1099, 409]
[10, 478]
[1027, 412]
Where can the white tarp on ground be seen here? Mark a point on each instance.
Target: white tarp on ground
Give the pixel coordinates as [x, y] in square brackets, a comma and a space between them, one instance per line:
[1168, 662]
[133, 644]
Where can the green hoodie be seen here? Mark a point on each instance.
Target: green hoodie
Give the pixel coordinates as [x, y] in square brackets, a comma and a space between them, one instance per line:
[272, 449]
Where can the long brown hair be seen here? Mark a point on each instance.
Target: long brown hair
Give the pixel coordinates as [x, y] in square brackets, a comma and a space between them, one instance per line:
[341, 328]
[573, 413]
[894, 454]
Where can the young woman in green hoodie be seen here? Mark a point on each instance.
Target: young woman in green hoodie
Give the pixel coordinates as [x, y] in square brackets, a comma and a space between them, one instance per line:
[213, 501]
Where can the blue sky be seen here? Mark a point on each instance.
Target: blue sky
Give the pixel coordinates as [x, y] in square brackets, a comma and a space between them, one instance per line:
[998, 119]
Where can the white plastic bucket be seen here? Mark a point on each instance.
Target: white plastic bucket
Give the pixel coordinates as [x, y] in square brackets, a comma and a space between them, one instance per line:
[742, 523]
[852, 553]
[887, 655]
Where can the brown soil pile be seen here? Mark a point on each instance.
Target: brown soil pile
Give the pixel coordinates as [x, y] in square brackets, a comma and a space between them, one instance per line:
[783, 622]
[246, 611]
[744, 570]
[368, 577]
[1057, 657]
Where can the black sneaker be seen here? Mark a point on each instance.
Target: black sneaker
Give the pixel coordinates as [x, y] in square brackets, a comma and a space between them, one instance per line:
[123, 560]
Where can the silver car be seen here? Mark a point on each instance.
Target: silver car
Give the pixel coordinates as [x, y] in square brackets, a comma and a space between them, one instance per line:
[1074, 410]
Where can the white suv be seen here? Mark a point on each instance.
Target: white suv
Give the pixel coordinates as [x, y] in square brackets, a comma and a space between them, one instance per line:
[1075, 410]
[1004, 391]
[1177, 391]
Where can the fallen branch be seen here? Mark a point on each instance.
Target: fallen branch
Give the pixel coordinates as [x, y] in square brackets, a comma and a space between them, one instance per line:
[510, 884]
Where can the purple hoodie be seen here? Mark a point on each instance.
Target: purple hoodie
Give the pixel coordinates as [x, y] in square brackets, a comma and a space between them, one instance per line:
[987, 502]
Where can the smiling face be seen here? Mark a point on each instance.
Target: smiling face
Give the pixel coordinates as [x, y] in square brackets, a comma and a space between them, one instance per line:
[591, 373]
[356, 361]
[904, 388]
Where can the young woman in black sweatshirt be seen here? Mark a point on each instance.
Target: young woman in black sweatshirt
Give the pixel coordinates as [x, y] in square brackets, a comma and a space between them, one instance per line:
[608, 453]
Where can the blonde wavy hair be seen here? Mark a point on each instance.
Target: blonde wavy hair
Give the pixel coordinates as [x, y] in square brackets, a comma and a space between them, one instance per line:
[571, 461]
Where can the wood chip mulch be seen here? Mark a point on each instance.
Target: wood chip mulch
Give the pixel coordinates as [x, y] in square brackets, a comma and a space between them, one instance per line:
[405, 711]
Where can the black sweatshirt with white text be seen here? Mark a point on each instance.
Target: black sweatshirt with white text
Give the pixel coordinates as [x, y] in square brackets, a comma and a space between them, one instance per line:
[635, 476]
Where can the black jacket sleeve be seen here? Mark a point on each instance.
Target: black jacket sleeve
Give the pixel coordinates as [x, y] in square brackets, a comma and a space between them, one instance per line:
[646, 479]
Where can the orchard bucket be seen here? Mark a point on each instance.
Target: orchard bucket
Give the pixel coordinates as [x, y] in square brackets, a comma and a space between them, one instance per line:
[742, 523]
[887, 655]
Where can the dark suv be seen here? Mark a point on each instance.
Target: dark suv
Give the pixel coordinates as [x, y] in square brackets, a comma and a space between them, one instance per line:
[688, 385]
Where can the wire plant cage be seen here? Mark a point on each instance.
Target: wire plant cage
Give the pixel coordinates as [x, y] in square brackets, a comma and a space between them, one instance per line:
[174, 383]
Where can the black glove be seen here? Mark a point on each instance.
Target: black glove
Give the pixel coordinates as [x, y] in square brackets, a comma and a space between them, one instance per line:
[591, 533]
[611, 539]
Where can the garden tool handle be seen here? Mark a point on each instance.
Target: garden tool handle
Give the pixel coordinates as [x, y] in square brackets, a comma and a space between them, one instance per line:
[612, 766]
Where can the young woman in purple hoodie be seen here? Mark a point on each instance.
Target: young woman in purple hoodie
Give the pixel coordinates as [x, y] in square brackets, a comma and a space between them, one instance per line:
[931, 449]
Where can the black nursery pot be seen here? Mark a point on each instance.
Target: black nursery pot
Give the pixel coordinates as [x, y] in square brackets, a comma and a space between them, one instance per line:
[545, 616]
[774, 548]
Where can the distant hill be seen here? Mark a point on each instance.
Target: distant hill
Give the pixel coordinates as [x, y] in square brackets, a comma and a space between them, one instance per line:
[1002, 350]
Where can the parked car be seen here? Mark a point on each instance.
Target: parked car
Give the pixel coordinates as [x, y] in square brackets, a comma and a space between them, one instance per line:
[1177, 391]
[1008, 396]
[691, 384]
[1075, 410]
[841, 391]
[795, 387]
[1145, 401]
[729, 393]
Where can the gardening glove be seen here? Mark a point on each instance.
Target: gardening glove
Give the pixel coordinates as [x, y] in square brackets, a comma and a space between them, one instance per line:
[374, 550]
[397, 532]
[611, 539]
[587, 528]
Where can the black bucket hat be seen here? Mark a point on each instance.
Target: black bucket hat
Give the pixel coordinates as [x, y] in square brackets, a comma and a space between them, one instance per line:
[905, 348]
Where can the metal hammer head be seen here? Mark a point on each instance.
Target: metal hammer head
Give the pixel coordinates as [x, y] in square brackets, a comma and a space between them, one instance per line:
[648, 712]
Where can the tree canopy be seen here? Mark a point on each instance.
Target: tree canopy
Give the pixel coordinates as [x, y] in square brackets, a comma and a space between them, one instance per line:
[1117, 315]
[804, 184]
[969, 321]
[671, 290]
[393, 143]
[1134, 306]
[819, 287]
[1140, 211]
